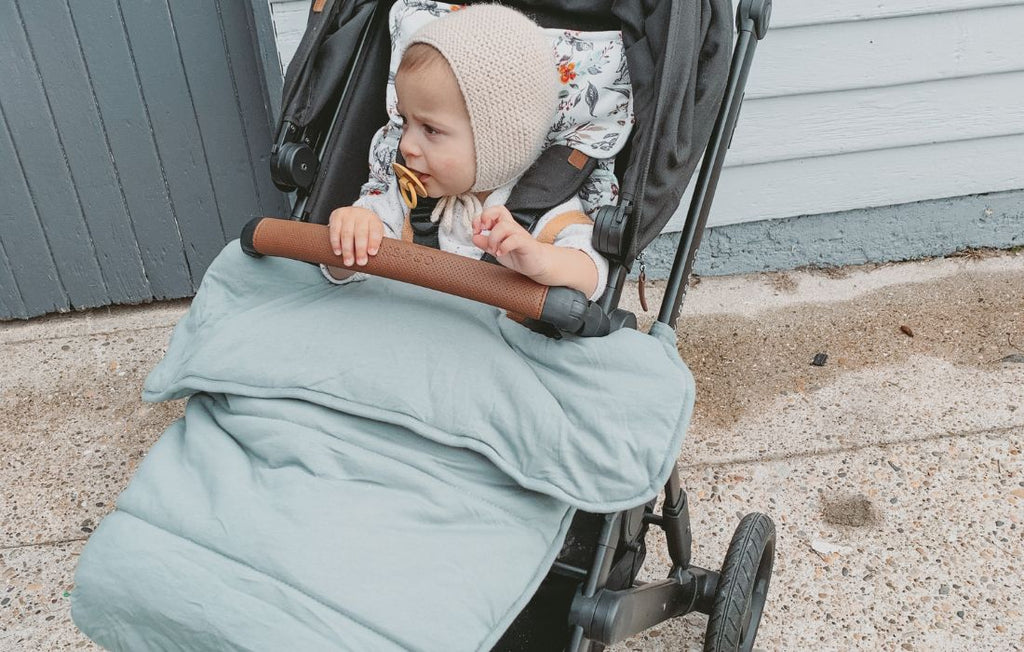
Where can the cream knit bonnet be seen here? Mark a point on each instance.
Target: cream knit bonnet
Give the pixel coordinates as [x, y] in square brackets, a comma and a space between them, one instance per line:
[505, 68]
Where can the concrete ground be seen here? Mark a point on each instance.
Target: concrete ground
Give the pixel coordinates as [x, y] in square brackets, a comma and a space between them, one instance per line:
[894, 472]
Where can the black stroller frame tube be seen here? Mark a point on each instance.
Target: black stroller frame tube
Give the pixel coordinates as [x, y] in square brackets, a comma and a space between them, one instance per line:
[301, 198]
[598, 575]
[752, 21]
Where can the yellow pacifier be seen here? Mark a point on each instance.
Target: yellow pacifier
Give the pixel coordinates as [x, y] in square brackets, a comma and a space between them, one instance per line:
[409, 185]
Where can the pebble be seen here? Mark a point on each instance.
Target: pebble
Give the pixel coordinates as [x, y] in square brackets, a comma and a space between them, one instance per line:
[944, 589]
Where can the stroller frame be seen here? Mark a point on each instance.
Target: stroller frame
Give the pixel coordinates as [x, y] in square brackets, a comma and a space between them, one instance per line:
[600, 614]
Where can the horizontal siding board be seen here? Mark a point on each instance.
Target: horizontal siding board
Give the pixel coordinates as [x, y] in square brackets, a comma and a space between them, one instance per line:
[132, 146]
[837, 123]
[172, 116]
[863, 180]
[887, 53]
[289, 24]
[251, 104]
[44, 166]
[223, 142]
[794, 13]
[983, 38]
[66, 81]
[34, 276]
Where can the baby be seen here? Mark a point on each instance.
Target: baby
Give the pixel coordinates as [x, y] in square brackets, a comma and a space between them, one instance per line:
[477, 91]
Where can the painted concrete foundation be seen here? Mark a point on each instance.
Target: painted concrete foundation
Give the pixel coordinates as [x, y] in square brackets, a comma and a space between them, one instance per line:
[893, 233]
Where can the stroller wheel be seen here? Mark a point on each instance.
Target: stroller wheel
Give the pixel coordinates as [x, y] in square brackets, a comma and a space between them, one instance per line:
[743, 586]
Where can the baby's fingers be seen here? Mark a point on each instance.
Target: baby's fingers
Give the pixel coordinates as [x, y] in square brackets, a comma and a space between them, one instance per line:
[376, 237]
[334, 236]
[347, 238]
[514, 241]
[360, 240]
[486, 220]
[497, 235]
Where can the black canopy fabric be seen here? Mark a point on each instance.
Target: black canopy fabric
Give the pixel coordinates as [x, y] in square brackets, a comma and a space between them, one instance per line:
[678, 53]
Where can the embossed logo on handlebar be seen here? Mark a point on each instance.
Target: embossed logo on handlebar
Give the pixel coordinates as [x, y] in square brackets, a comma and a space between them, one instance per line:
[415, 256]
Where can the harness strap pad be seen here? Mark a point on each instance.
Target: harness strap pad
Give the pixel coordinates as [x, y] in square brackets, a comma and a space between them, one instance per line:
[550, 232]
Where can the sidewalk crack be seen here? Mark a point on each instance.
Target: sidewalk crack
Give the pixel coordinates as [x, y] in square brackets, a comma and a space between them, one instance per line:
[860, 447]
[52, 542]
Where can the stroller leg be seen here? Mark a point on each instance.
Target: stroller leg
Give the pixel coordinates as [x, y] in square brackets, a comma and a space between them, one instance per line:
[675, 520]
[602, 616]
[603, 557]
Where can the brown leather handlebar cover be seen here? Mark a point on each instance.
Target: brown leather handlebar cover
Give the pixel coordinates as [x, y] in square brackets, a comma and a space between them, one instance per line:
[410, 263]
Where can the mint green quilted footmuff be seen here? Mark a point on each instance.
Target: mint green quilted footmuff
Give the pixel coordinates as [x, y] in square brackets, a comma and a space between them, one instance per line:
[373, 466]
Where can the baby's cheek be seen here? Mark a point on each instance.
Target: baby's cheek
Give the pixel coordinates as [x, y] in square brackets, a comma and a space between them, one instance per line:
[459, 171]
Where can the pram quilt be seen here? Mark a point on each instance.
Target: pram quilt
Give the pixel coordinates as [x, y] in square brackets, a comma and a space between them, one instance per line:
[372, 466]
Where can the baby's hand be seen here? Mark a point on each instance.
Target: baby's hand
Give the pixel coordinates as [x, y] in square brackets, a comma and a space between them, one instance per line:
[496, 232]
[355, 233]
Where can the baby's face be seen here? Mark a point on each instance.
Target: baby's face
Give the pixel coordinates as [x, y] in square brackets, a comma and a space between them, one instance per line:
[437, 141]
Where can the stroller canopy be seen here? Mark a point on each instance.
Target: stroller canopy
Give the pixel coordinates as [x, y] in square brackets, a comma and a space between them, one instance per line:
[678, 54]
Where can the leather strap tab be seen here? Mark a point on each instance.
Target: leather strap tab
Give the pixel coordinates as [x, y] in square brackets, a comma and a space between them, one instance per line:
[578, 159]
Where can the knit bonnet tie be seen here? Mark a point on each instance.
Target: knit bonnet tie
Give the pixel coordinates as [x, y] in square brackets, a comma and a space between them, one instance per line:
[445, 211]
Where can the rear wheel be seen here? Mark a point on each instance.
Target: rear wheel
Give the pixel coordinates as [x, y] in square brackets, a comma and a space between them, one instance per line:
[743, 586]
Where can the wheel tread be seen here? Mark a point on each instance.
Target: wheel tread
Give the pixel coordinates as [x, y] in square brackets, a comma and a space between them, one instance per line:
[739, 572]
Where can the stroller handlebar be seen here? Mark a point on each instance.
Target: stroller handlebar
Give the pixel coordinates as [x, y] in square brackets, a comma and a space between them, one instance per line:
[565, 308]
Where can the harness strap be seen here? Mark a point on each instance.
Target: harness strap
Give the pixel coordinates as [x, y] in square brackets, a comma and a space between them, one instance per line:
[417, 221]
[559, 223]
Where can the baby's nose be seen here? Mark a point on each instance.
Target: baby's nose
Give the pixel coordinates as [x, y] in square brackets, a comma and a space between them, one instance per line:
[408, 147]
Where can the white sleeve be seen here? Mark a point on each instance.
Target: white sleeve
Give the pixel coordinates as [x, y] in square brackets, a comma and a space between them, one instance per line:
[358, 276]
[388, 206]
[578, 236]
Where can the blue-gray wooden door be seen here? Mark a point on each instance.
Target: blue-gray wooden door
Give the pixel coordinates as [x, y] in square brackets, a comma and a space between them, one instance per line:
[134, 138]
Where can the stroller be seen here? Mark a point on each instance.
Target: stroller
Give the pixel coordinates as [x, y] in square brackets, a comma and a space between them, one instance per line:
[685, 95]
[681, 85]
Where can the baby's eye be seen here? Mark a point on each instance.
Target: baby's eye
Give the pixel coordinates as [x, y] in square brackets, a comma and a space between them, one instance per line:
[430, 130]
